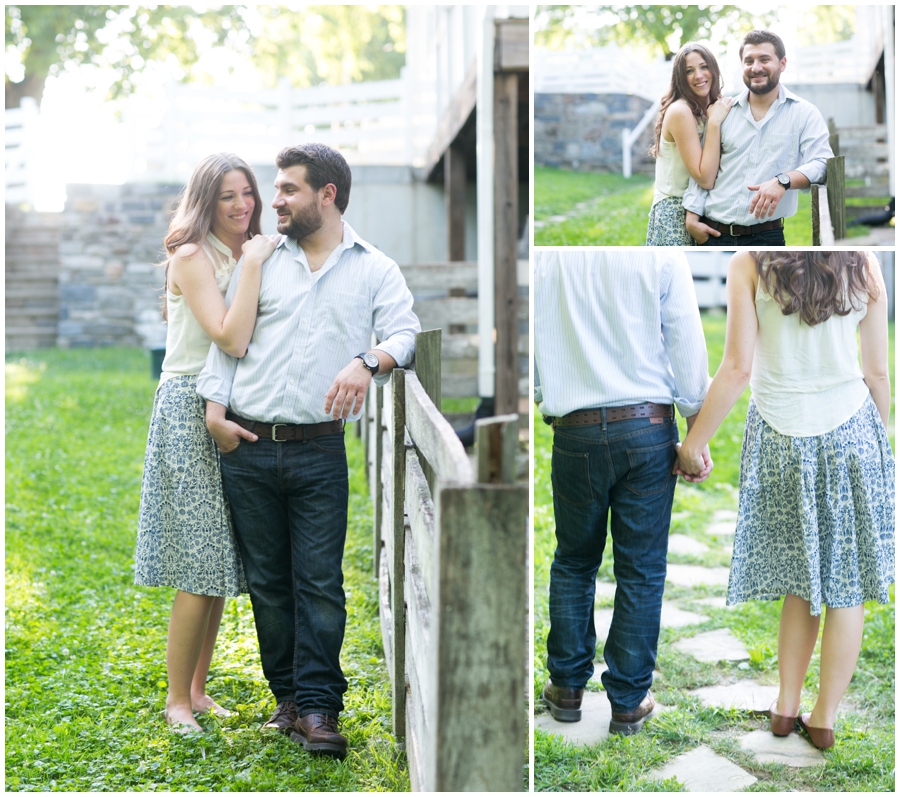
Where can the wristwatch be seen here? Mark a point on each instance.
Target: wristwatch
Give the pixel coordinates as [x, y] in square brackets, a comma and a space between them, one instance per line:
[370, 361]
[785, 180]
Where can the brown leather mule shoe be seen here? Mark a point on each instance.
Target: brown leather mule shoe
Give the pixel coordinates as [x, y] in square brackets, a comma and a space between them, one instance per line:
[318, 734]
[632, 721]
[823, 738]
[564, 703]
[780, 725]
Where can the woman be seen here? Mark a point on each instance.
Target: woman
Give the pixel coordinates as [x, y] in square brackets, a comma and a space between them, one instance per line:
[816, 507]
[185, 538]
[692, 105]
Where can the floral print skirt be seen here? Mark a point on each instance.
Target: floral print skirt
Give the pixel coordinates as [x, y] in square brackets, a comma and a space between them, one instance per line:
[666, 225]
[816, 514]
[185, 536]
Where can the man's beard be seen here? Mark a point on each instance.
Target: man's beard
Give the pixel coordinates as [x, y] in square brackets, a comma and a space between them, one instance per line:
[306, 221]
[771, 83]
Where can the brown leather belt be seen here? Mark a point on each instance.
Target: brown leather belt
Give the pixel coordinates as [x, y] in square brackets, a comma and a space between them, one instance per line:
[595, 416]
[737, 229]
[288, 432]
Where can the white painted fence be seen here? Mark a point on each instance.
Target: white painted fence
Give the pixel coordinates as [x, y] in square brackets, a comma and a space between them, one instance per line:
[19, 158]
[378, 122]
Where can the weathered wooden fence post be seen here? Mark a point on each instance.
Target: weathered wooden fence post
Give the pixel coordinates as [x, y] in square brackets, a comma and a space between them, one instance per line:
[452, 588]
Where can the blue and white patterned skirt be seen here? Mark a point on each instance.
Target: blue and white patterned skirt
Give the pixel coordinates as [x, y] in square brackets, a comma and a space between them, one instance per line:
[816, 514]
[185, 537]
[666, 225]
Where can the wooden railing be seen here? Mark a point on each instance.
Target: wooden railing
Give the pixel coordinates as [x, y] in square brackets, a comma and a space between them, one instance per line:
[450, 548]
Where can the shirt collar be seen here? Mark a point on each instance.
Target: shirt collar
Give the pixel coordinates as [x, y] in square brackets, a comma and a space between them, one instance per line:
[223, 248]
[784, 94]
[349, 240]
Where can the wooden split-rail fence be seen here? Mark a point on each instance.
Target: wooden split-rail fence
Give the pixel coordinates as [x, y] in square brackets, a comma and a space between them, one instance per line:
[450, 556]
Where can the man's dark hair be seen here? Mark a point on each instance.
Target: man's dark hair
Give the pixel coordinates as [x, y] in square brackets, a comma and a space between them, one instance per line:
[761, 37]
[323, 165]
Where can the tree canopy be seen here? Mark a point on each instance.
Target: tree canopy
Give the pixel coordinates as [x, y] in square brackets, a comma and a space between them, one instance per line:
[662, 29]
[307, 44]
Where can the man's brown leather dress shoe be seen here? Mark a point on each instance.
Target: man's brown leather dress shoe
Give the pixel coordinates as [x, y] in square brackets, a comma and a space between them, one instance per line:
[318, 733]
[284, 717]
[564, 704]
[632, 721]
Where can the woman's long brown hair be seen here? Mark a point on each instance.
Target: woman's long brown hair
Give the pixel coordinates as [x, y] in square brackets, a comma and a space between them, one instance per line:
[196, 206]
[680, 90]
[814, 284]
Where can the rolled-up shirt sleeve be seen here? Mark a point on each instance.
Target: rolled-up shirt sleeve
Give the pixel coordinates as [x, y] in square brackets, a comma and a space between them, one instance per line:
[214, 382]
[394, 322]
[683, 338]
[814, 148]
[694, 198]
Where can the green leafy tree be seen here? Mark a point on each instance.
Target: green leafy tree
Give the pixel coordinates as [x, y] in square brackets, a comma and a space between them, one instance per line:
[307, 44]
[824, 24]
[661, 29]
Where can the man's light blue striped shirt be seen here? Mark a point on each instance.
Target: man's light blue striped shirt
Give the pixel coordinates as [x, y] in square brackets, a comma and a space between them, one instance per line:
[309, 326]
[792, 136]
[617, 328]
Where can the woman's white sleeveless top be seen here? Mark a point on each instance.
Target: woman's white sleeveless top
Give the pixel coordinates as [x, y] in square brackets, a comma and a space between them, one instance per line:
[186, 343]
[806, 381]
[672, 176]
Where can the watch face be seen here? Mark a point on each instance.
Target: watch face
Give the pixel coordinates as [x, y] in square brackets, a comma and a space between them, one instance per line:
[370, 360]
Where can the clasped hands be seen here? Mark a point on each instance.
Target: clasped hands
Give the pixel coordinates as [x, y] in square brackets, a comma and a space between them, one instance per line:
[692, 467]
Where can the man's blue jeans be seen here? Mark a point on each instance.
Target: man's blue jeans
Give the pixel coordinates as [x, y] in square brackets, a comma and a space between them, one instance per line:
[623, 468]
[289, 504]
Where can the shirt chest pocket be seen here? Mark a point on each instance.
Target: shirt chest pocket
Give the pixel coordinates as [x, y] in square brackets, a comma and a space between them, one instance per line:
[776, 153]
[347, 314]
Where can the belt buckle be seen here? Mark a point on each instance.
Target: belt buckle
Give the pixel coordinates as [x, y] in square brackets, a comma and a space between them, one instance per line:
[274, 426]
[731, 231]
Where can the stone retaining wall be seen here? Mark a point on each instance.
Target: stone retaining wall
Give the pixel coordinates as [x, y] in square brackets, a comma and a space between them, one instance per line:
[584, 131]
[110, 281]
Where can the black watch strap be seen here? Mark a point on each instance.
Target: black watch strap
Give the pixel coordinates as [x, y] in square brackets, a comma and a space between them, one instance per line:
[367, 359]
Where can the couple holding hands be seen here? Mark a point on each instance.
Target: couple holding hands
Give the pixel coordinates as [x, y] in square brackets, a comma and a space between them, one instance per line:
[618, 342]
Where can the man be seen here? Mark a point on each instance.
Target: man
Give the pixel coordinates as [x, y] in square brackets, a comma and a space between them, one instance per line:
[773, 143]
[284, 469]
[617, 341]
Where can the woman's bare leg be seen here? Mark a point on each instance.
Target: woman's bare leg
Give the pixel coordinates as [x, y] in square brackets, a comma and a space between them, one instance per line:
[841, 641]
[200, 701]
[797, 634]
[188, 627]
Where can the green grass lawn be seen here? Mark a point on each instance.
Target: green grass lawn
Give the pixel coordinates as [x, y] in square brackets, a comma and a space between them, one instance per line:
[614, 210]
[85, 648]
[863, 759]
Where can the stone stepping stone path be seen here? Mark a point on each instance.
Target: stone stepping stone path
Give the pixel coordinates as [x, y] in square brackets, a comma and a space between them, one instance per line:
[700, 769]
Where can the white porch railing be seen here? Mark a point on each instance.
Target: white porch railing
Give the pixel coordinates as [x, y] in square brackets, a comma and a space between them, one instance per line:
[18, 160]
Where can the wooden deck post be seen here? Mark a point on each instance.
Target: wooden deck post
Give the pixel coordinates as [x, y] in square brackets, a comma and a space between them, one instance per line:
[506, 232]
[834, 179]
[455, 198]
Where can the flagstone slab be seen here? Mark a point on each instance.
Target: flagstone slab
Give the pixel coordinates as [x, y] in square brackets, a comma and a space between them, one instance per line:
[712, 646]
[792, 750]
[686, 546]
[714, 601]
[721, 529]
[593, 727]
[695, 575]
[721, 515]
[746, 695]
[605, 589]
[701, 769]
